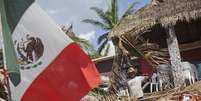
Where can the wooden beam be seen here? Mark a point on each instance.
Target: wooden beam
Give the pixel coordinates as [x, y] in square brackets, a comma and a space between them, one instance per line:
[190, 46]
[101, 59]
[186, 47]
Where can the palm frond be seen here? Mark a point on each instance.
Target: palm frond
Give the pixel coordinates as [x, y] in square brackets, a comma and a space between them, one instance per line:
[114, 11]
[107, 50]
[103, 15]
[96, 23]
[130, 9]
[110, 17]
[103, 37]
[102, 46]
[86, 46]
[77, 39]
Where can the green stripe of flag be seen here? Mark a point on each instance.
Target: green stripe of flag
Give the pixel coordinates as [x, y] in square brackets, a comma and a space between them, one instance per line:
[11, 60]
[11, 12]
[14, 11]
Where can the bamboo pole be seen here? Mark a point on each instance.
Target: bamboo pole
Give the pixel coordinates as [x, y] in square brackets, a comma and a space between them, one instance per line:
[4, 64]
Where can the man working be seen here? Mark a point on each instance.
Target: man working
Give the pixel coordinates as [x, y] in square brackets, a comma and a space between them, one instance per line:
[134, 84]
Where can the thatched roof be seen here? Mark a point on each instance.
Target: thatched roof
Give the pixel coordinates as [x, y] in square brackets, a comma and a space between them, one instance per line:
[164, 13]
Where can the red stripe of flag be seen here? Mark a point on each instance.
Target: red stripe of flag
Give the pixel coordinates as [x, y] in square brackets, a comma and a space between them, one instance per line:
[68, 78]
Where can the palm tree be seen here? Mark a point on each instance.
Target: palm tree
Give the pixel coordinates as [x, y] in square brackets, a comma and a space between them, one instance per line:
[109, 19]
[84, 44]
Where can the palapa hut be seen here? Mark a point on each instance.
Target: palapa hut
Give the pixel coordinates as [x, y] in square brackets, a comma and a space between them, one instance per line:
[162, 27]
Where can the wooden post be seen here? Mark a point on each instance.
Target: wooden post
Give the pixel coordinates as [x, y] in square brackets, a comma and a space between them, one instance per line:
[4, 63]
[175, 57]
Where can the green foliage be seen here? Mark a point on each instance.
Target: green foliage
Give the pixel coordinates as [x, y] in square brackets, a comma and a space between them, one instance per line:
[109, 19]
[83, 43]
[86, 46]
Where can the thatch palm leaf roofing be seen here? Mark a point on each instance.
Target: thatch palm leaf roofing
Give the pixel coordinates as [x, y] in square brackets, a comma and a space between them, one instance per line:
[165, 13]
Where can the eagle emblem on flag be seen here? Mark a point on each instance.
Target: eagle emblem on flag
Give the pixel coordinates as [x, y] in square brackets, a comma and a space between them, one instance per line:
[29, 50]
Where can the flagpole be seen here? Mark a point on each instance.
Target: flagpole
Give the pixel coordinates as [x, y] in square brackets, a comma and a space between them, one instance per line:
[5, 67]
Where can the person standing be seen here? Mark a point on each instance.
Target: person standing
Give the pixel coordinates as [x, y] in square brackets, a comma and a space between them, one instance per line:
[135, 84]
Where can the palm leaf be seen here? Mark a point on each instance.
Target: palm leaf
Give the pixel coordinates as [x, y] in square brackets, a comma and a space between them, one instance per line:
[86, 46]
[107, 50]
[102, 37]
[82, 42]
[103, 15]
[96, 23]
[130, 9]
[102, 46]
[110, 17]
[114, 11]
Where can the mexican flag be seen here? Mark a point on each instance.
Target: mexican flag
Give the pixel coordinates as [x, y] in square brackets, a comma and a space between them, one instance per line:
[43, 63]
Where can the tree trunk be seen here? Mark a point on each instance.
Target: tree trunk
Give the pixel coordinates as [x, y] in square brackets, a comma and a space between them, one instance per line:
[115, 73]
[175, 57]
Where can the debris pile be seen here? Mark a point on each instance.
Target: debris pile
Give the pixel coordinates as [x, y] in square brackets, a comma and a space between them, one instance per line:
[190, 93]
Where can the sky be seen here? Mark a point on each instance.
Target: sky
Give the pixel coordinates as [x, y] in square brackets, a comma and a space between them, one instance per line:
[66, 12]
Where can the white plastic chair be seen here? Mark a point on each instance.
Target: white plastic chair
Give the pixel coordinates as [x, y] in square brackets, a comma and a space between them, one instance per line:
[154, 82]
[189, 72]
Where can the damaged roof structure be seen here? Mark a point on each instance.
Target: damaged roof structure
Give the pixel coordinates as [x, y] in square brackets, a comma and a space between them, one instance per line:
[173, 26]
